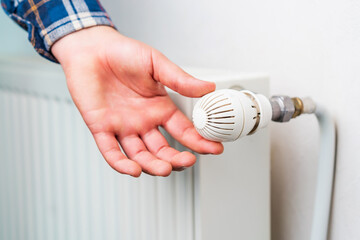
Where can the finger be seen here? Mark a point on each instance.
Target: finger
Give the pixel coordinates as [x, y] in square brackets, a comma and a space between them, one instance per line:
[180, 127]
[157, 145]
[136, 150]
[109, 148]
[177, 79]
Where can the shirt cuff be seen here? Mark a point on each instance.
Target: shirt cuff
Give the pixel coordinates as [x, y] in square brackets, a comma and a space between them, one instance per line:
[49, 20]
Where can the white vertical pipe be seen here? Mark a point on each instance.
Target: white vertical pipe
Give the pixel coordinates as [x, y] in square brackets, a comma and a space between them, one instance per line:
[325, 175]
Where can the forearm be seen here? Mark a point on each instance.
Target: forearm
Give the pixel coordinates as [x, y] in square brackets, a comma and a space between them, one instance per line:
[48, 21]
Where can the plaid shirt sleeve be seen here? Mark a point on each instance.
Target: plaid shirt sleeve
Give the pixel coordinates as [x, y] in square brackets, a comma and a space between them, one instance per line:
[46, 21]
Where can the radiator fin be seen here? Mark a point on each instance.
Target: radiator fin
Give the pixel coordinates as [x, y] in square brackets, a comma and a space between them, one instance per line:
[54, 183]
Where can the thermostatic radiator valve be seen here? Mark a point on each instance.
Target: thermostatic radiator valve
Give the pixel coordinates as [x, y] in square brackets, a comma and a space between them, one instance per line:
[226, 115]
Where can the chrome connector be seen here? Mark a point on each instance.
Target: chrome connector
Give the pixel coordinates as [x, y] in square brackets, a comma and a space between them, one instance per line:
[285, 108]
[282, 108]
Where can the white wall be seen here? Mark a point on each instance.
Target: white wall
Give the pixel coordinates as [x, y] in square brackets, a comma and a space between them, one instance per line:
[13, 40]
[310, 48]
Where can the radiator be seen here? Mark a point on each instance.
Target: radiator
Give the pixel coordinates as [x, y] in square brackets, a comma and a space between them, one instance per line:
[54, 184]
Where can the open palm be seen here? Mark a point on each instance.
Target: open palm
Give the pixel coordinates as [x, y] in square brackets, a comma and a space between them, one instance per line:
[117, 84]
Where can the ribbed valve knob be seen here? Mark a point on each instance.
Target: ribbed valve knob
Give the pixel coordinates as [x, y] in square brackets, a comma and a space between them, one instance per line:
[225, 115]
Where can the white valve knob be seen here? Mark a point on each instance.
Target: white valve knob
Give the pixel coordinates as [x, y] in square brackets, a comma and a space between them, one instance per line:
[227, 114]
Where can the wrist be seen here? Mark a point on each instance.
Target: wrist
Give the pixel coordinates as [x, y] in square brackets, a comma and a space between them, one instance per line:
[87, 41]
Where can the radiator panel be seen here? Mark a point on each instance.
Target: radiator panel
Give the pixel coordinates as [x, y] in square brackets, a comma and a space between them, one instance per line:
[56, 185]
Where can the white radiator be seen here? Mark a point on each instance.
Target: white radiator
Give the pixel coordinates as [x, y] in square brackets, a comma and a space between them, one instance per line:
[54, 183]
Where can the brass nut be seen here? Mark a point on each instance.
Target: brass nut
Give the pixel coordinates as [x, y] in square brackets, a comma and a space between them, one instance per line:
[299, 106]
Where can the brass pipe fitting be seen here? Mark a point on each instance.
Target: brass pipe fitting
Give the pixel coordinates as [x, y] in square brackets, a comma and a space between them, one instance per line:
[299, 106]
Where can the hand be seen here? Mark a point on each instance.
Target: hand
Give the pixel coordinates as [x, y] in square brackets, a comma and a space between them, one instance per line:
[117, 84]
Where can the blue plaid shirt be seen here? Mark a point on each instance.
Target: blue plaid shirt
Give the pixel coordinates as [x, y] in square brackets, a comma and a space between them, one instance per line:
[46, 21]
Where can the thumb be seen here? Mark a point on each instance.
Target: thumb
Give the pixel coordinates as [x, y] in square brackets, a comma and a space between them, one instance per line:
[172, 76]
